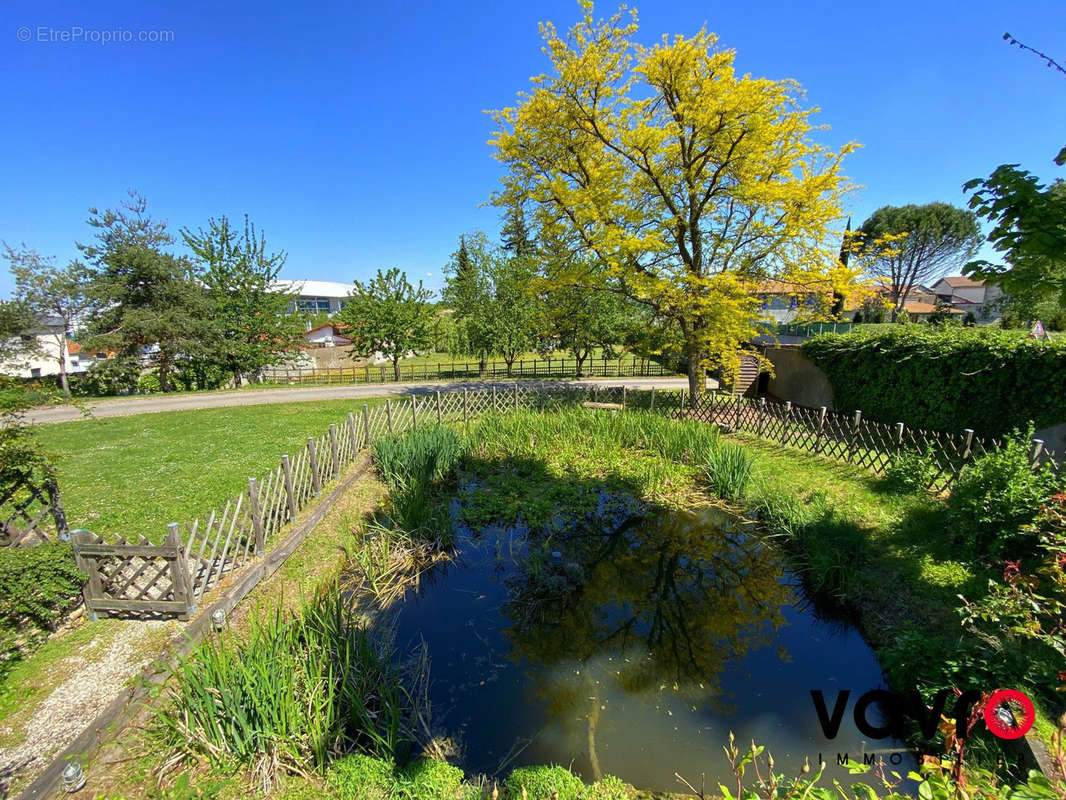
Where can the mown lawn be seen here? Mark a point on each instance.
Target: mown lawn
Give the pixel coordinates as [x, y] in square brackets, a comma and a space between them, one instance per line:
[133, 475]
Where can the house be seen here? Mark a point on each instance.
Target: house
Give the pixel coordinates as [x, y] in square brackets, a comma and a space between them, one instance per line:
[313, 297]
[327, 335]
[782, 301]
[42, 357]
[969, 295]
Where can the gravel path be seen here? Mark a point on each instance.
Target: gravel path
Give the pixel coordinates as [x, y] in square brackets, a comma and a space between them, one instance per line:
[128, 406]
[92, 684]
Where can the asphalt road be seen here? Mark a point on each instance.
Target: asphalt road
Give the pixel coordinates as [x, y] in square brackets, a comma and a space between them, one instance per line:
[150, 404]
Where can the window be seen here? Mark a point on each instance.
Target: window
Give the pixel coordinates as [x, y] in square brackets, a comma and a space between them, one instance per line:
[311, 304]
[35, 372]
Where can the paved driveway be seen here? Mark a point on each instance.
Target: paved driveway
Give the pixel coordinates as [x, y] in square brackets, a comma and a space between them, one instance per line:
[148, 404]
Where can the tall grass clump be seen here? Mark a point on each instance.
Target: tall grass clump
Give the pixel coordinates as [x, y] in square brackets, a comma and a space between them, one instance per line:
[294, 693]
[411, 464]
[728, 469]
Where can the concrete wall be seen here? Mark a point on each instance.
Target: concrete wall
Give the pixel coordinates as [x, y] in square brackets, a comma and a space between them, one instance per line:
[796, 378]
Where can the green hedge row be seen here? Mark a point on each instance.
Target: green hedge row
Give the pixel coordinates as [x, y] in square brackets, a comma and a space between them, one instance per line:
[945, 379]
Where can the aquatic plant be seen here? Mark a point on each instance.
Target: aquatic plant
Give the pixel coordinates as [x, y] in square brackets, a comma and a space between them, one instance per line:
[296, 691]
[728, 468]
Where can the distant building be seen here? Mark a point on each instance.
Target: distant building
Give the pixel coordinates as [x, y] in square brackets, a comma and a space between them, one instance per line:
[43, 358]
[782, 301]
[327, 336]
[968, 295]
[313, 297]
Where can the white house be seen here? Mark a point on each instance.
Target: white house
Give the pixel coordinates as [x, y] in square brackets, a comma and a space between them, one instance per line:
[42, 359]
[326, 336]
[966, 294]
[315, 296]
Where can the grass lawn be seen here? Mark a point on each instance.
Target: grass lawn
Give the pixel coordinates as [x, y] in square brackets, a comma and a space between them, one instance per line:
[133, 475]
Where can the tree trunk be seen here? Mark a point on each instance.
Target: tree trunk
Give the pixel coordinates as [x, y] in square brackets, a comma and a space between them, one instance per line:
[580, 364]
[237, 378]
[697, 382]
[481, 366]
[63, 383]
[164, 372]
[396, 369]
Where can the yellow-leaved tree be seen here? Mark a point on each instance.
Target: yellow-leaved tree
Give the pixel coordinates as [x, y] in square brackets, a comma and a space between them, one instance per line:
[687, 183]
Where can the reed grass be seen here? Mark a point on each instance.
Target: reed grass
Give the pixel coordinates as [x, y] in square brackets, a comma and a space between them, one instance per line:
[728, 469]
[297, 691]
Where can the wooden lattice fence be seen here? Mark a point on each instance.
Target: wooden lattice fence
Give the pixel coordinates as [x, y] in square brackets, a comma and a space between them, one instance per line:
[195, 557]
[31, 511]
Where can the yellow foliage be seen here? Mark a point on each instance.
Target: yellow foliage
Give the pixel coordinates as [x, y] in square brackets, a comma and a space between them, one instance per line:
[687, 182]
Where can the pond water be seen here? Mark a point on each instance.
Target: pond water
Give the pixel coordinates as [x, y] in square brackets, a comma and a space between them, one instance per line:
[631, 648]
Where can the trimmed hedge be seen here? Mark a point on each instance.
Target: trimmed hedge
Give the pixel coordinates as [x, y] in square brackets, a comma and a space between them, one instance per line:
[945, 379]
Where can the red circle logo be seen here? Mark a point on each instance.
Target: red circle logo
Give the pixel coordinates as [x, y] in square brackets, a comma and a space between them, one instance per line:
[1009, 714]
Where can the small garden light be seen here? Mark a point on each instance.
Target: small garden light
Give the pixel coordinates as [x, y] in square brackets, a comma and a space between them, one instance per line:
[73, 777]
[218, 619]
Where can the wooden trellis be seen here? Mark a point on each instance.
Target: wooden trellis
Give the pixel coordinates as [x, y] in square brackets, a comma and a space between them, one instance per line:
[31, 512]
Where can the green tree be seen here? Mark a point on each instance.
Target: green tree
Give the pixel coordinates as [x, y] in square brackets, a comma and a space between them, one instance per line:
[687, 182]
[251, 324]
[467, 292]
[513, 309]
[17, 331]
[50, 293]
[909, 245]
[1029, 231]
[148, 299]
[388, 315]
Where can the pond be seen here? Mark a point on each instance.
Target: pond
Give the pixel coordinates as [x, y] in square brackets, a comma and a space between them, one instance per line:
[631, 645]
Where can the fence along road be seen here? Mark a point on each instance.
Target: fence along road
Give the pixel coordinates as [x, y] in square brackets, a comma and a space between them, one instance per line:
[148, 404]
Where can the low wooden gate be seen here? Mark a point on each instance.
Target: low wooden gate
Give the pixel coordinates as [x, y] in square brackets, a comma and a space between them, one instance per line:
[134, 577]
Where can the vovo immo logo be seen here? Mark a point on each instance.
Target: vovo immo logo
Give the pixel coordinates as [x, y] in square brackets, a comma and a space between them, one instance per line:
[1008, 713]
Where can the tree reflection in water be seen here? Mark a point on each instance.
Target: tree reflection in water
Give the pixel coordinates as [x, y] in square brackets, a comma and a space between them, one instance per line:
[661, 606]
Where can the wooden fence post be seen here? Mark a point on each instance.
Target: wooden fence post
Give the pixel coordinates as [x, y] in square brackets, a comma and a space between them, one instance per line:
[466, 415]
[854, 435]
[623, 397]
[388, 412]
[366, 426]
[438, 407]
[290, 497]
[180, 579]
[494, 408]
[820, 441]
[414, 412]
[312, 460]
[516, 395]
[92, 588]
[652, 398]
[352, 434]
[335, 448]
[899, 436]
[784, 427]
[257, 516]
[762, 417]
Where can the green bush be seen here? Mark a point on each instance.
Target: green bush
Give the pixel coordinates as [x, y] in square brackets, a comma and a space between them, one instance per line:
[545, 783]
[607, 788]
[148, 383]
[111, 376]
[38, 585]
[998, 495]
[360, 777]
[946, 379]
[912, 470]
[429, 779]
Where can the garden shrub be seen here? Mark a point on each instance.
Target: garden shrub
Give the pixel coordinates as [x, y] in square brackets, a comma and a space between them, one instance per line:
[545, 783]
[607, 788]
[109, 377]
[360, 777]
[912, 470]
[946, 378]
[996, 497]
[38, 586]
[148, 383]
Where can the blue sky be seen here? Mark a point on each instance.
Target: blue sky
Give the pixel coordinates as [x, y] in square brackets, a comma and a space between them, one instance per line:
[354, 134]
